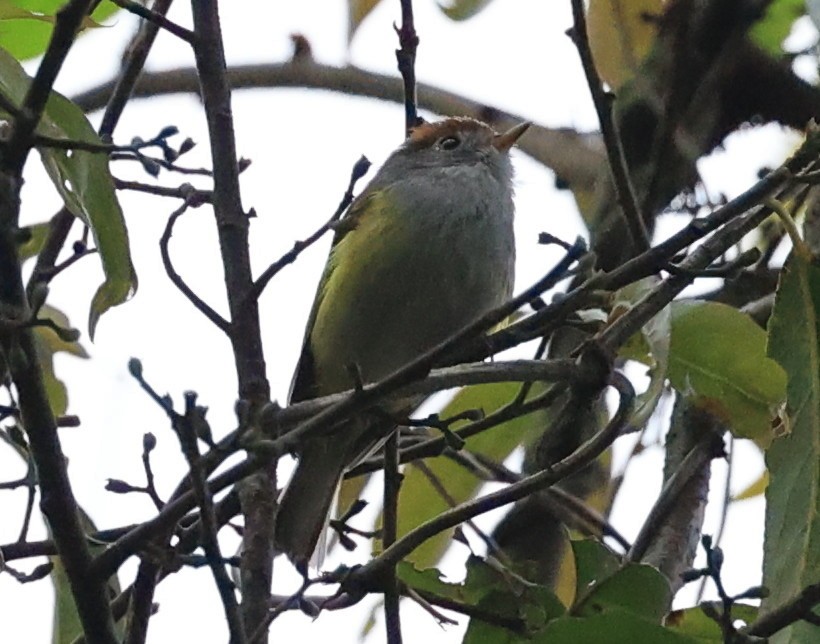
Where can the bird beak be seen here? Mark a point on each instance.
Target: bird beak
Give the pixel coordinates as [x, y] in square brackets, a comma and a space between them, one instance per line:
[503, 142]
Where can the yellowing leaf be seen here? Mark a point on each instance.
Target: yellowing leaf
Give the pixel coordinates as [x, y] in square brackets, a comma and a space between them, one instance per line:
[357, 11]
[48, 344]
[621, 33]
[754, 489]
[419, 501]
[463, 9]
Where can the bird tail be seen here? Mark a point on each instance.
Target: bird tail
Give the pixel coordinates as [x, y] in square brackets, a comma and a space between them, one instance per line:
[305, 504]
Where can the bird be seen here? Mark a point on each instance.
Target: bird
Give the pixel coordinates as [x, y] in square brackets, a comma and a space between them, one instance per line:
[425, 249]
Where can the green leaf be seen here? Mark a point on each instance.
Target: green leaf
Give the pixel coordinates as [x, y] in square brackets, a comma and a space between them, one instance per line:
[694, 623]
[613, 627]
[791, 556]
[66, 621]
[717, 358]
[497, 591]
[357, 11]
[500, 596]
[463, 9]
[770, 32]
[84, 181]
[419, 500]
[637, 588]
[26, 25]
[48, 344]
[593, 563]
[430, 580]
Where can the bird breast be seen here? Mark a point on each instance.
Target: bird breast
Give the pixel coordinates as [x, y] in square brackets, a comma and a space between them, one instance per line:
[430, 255]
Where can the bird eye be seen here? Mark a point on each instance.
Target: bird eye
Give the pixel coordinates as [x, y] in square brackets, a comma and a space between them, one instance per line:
[449, 143]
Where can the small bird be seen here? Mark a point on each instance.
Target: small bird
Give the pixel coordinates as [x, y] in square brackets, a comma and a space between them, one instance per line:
[424, 250]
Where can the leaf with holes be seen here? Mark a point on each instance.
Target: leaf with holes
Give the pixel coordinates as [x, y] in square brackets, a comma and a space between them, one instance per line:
[84, 181]
[694, 622]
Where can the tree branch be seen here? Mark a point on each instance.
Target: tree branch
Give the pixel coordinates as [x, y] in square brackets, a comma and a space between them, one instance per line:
[232, 229]
[364, 577]
[575, 157]
[624, 190]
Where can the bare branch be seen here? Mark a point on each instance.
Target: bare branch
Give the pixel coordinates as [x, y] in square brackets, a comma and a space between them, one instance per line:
[372, 572]
[624, 190]
[221, 323]
[158, 19]
[575, 157]
[360, 168]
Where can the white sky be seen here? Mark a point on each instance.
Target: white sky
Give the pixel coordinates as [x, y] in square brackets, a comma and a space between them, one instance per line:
[514, 56]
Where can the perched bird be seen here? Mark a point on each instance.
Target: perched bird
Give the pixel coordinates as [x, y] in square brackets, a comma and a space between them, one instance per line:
[426, 249]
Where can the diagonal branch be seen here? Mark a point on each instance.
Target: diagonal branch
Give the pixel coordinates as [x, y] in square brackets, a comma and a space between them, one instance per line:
[364, 577]
[624, 190]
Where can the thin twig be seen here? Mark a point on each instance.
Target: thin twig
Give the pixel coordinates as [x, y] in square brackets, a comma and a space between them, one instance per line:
[724, 508]
[194, 196]
[406, 58]
[134, 61]
[564, 504]
[220, 322]
[186, 431]
[145, 159]
[148, 443]
[473, 612]
[440, 489]
[792, 611]
[624, 189]
[360, 168]
[392, 484]
[280, 605]
[373, 571]
[55, 270]
[158, 19]
[628, 324]
[435, 446]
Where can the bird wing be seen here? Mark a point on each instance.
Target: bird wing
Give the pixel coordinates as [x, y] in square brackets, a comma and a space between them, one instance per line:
[304, 385]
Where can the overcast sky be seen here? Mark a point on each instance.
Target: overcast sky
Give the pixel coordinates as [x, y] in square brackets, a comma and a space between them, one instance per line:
[514, 55]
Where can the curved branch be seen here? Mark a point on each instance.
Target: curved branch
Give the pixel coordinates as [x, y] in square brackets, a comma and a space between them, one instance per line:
[365, 576]
[575, 157]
